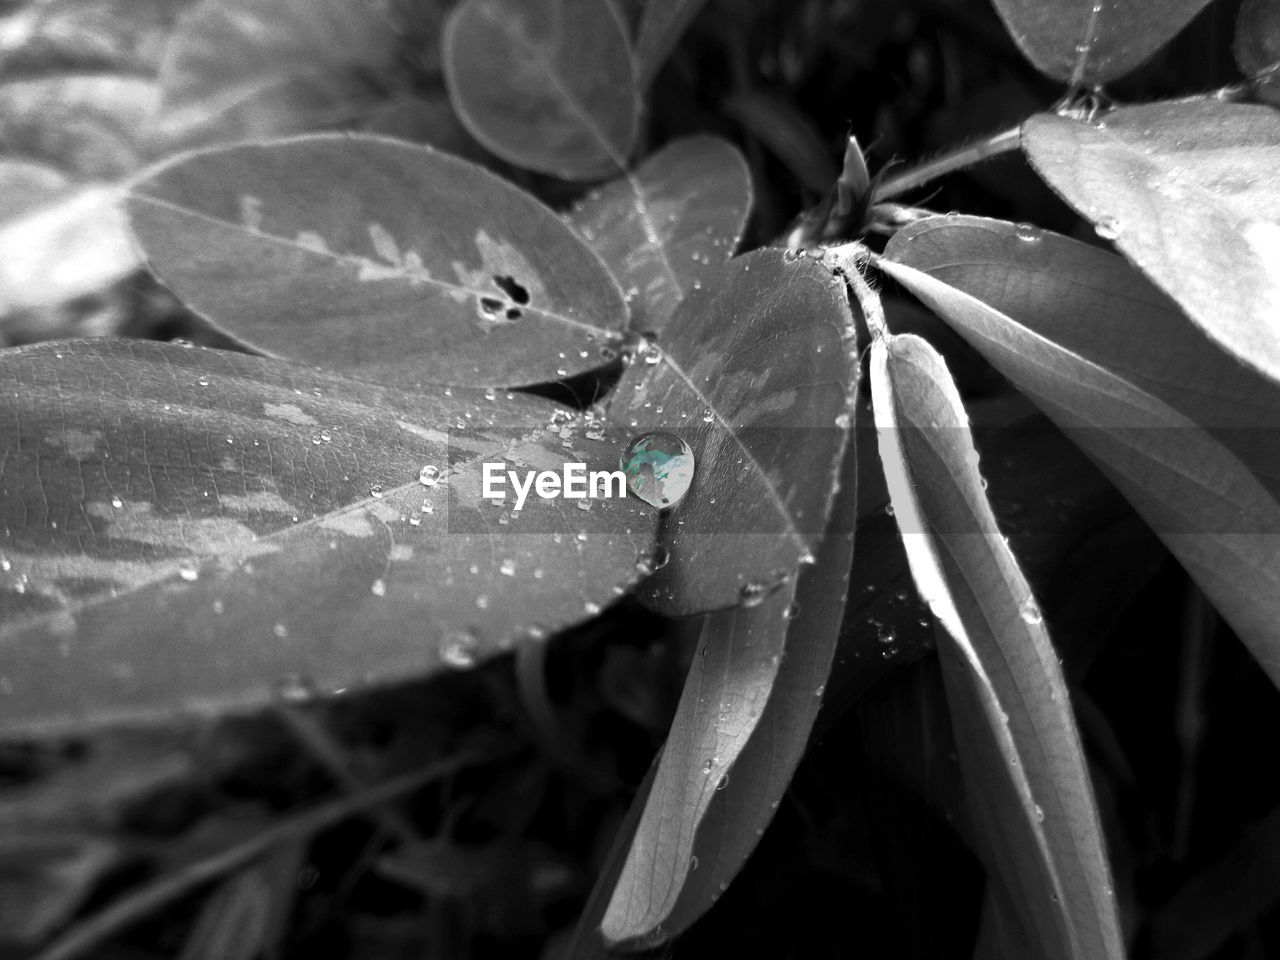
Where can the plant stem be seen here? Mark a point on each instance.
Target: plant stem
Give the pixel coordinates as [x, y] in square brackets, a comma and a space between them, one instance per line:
[988, 147]
[132, 908]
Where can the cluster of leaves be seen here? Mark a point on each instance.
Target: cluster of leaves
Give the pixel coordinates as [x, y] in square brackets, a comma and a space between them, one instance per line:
[192, 529]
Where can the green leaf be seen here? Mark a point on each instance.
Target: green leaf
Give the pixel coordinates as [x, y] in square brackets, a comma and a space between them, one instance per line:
[1187, 192]
[1019, 748]
[1257, 43]
[662, 23]
[757, 375]
[743, 722]
[381, 259]
[545, 84]
[1089, 42]
[189, 528]
[664, 228]
[240, 69]
[1187, 434]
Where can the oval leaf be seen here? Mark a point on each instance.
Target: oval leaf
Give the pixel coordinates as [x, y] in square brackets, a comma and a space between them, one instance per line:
[1257, 44]
[191, 528]
[429, 270]
[1019, 748]
[545, 84]
[1187, 192]
[1088, 41]
[741, 728]
[758, 378]
[1186, 434]
[664, 228]
[240, 69]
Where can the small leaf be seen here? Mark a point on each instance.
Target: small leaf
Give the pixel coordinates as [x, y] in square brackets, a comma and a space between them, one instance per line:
[664, 228]
[662, 23]
[1187, 434]
[187, 528]
[1019, 748]
[749, 704]
[1088, 42]
[545, 84]
[1187, 192]
[242, 69]
[1257, 44]
[757, 376]
[385, 260]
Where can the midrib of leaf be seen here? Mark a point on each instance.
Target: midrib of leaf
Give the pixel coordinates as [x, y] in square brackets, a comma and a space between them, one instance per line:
[166, 571]
[1085, 47]
[579, 111]
[779, 504]
[357, 261]
[651, 231]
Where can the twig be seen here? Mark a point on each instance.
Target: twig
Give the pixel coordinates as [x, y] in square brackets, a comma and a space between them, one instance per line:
[985, 149]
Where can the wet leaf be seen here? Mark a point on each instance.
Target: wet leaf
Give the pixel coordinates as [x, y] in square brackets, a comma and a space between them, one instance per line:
[1092, 41]
[240, 69]
[757, 375]
[199, 529]
[1185, 433]
[664, 228]
[743, 722]
[1019, 749]
[662, 23]
[1188, 192]
[545, 84]
[1257, 43]
[382, 259]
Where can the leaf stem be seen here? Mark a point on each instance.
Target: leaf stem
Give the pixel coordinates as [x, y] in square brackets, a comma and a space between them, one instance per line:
[84, 936]
[986, 148]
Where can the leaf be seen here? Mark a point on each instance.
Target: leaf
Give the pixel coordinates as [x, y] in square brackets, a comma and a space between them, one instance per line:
[749, 704]
[788, 133]
[1019, 748]
[1257, 43]
[757, 375]
[662, 23]
[1185, 433]
[75, 245]
[172, 545]
[664, 228]
[240, 69]
[90, 125]
[430, 269]
[545, 84]
[1187, 191]
[1088, 42]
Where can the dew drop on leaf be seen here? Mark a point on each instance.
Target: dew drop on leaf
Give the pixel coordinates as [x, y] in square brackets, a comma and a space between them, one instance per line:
[752, 594]
[659, 468]
[429, 475]
[459, 650]
[378, 588]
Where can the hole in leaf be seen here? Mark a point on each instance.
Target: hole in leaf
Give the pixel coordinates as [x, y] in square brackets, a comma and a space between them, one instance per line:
[514, 313]
[512, 288]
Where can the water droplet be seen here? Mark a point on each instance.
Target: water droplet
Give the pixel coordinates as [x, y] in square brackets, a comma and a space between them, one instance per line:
[378, 588]
[888, 509]
[428, 506]
[1026, 232]
[591, 608]
[316, 439]
[708, 416]
[693, 864]
[792, 611]
[1039, 813]
[415, 520]
[117, 502]
[752, 594]
[490, 393]
[280, 630]
[507, 568]
[651, 353]
[659, 468]
[1030, 612]
[202, 380]
[722, 782]
[842, 421]
[482, 601]
[1108, 228]
[429, 475]
[326, 436]
[459, 649]
[295, 688]
[188, 571]
[376, 491]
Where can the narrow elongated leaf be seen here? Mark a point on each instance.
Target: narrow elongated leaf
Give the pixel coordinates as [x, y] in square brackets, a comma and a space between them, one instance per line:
[238, 69]
[544, 84]
[1257, 44]
[1189, 436]
[664, 228]
[382, 259]
[740, 731]
[1189, 192]
[757, 375]
[662, 22]
[1019, 748]
[190, 528]
[1092, 41]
